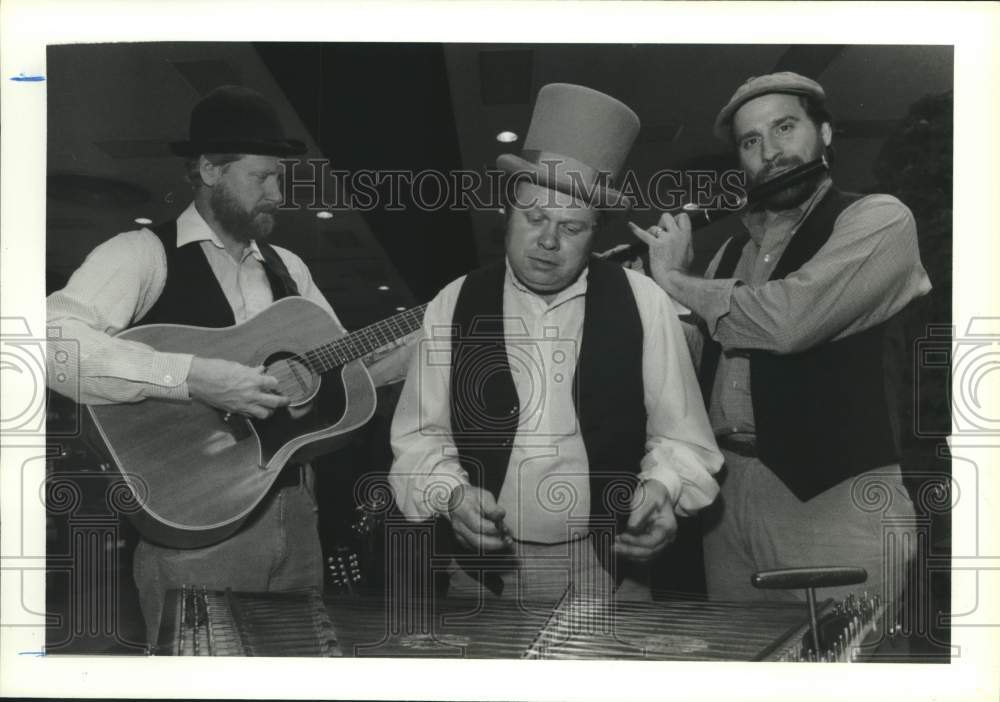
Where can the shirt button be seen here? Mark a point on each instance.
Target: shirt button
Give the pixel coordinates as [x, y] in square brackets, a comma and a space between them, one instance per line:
[62, 356]
[736, 384]
[767, 258]
[61, 377]
[168, 379]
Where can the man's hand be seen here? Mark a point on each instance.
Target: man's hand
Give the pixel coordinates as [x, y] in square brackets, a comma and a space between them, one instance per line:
[651, 525]
[476, 519]
[234, 387]
[669, 245]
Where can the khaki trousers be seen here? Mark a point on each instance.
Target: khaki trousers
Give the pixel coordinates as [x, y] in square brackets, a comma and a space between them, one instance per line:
[758, 524]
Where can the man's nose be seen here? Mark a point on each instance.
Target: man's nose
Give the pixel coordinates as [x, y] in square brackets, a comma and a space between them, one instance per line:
[549, 238]
[272, 190]
[770, 150]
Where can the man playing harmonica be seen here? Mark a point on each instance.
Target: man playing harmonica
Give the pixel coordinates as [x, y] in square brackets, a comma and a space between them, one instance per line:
[800, 314]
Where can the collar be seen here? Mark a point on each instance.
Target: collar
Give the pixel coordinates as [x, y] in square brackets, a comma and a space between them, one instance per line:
[758, 222]
[575, 289]
[192, 227]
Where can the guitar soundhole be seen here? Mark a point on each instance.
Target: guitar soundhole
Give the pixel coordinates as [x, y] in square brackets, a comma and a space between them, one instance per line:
[296, 380]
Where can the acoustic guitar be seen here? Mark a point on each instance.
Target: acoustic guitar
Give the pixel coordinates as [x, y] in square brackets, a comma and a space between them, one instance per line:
[197, 472]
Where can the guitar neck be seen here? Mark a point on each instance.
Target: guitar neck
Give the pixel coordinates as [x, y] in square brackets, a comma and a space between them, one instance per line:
[366, 341]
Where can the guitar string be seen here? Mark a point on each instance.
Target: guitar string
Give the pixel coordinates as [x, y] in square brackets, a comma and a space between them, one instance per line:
[373, 335]
[366, 340]
[343, 350]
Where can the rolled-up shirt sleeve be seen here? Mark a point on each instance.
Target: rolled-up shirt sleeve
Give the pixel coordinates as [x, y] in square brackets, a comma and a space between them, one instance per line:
[115, 286]
[426, 468]
[681, 452]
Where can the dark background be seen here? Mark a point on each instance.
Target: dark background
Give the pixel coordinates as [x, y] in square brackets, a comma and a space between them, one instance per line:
[112, 108]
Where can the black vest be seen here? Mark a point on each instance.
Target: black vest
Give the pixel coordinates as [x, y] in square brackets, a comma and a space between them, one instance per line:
[192, 294]
[827, 413]
[607, 390]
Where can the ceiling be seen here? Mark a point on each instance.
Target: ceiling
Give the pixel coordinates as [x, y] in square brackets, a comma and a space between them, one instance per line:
[113, 108]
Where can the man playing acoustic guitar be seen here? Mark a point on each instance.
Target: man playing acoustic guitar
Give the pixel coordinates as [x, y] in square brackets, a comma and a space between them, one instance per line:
[211, 267]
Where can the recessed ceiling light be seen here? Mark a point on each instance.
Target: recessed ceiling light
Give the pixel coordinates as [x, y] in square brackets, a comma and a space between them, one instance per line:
[324, 215]
[143, 220]
[400, 309]
[383, 288]
[506, 137]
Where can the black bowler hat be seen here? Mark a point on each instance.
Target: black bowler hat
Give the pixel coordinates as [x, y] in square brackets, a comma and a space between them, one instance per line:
[236, 120]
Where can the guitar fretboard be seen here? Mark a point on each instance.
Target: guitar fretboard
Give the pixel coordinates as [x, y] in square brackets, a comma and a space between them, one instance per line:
[365, 341]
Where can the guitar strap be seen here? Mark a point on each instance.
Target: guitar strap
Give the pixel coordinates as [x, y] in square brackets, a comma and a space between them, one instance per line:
[275, 267]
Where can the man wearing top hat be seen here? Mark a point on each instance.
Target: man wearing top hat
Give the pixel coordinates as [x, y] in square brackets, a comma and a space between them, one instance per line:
[801, 353]
[211, 267]
[551, 422]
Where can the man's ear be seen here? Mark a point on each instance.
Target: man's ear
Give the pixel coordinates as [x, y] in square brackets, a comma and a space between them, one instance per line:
[826, 132]
[209, 172]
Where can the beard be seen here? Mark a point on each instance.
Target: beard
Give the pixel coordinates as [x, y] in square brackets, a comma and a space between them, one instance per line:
[240, 223]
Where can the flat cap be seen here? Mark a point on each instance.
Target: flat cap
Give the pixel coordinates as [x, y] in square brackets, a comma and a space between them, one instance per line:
[755, 86]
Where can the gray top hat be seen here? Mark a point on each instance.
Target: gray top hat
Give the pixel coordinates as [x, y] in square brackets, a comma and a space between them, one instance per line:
[577, 143]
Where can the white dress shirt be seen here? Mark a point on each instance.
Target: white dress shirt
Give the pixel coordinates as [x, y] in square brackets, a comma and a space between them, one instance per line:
[547, 486]
[118, 284]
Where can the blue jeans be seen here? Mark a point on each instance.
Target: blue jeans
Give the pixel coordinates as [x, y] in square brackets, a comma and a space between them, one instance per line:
[277, 549]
